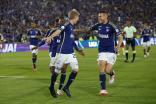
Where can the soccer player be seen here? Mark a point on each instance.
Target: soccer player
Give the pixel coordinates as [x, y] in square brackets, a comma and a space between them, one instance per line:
[53, 45]
[34, 38]
[65, 53]
[63, 70]
[107, 51]
[146, 34]
[130, 33]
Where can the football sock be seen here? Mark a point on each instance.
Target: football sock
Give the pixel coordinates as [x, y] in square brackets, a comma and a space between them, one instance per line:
[62, 79]
[134, 54]
[144, 51]
[53, 79]
[126, 56]
[102, 78]
[71, 79]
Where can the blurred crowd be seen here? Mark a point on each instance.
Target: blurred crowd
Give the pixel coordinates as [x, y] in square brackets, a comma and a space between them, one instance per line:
[17, 15]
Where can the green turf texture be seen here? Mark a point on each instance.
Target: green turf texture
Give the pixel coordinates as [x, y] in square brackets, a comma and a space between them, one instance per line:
[135, 82]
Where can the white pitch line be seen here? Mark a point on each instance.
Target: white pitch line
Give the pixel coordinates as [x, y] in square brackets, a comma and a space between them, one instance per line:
[13, 77]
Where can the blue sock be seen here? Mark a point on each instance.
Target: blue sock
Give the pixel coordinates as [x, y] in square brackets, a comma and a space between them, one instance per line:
[62, 79]
[102, 78]
[71, 79]
[53, 79]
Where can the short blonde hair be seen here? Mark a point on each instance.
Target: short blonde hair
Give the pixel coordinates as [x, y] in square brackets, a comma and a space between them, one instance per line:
[73, 13]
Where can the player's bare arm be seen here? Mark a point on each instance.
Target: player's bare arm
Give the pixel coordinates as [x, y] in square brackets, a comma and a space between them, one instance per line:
[120, 40]
[56, 33]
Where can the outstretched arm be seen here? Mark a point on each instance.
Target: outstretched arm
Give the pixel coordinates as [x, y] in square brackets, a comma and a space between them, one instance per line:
[56, 33]
[86, 30]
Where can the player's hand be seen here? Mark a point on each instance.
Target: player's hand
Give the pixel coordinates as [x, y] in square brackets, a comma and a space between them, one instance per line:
[88, 31]
[48, 39]
[81, 52]
[44, 38]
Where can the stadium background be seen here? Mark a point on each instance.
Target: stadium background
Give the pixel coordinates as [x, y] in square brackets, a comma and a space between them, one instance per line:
[17, 15]
[135, 82]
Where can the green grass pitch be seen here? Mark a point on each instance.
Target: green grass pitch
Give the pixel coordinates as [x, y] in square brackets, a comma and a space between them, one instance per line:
[135, 82]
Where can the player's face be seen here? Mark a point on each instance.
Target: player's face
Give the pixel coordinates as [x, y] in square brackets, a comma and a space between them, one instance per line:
[76, 19]
[102, 17]
[62, 21]
[128, 23]
[145, 25]
[33, 25]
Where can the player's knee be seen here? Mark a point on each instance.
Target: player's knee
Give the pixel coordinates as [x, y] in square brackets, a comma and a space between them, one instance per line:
[74, 66]
[108, 68]
[34, 55]
[52, 68]
[58, 71]
[63, 70]
[75, 71]
[102, 65]
[102, 70]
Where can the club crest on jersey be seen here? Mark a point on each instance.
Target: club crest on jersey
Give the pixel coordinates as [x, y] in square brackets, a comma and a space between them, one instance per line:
[107, 29]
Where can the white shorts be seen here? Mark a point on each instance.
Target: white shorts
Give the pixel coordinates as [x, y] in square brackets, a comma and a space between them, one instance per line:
[50, 54]
[108, 57]
[34, 50]
[62, 59]
[52, 61]
[146, 44]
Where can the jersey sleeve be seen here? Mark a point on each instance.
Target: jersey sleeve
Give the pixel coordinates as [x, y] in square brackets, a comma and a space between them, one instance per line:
[41, 43]
[134, 29]
[116, 30]
[76, 46]
[124, 30]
